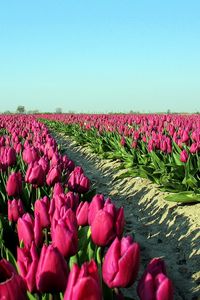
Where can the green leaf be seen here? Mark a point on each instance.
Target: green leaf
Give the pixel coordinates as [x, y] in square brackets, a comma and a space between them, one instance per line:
[183, 197]
[30, 296]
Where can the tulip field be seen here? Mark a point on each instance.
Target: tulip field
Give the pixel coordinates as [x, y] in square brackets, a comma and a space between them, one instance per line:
[60, 240]
[162, 148]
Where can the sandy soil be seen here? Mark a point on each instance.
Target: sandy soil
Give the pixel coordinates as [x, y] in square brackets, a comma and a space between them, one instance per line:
[163, 229]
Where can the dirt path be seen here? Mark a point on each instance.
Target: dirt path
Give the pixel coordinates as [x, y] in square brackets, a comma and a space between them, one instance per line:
[163, 229]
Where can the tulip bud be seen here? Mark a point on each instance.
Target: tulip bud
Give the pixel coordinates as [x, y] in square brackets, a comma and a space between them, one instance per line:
[44, 164]
[53, 176]
[15, 210]
[58, 189]
[96, 204]
[65, 235]
[194, 148]
[154, 284]
[25, 230]
[82, 213]
[83, 283]
[121, 263]
[78, 182]
[41, 208]
[184, 156]
[27, 260]
[14, 184]
[107, 224]
[29, 230]
[11, 156]
[52, 271]
[35, 174]
[30, 154]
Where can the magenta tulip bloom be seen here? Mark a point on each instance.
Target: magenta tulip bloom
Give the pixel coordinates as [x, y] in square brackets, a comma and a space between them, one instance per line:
[44, 162]
[64, 234]
[194, 148]
[35, 174]
[11, 157]
[78, 182]
[52, 272]
[58, 189]
[53, 176]
[155, 288]
[12, 285]
[14, 184]
[27, 260]
[96, 204]
[30, 155]
[15, 209]
[25, 232]
[82, 213]
[83, 283]
[29, 230]
[184, 156]
[121, 263]
[41, 208]
[107, 224]
[154, 283]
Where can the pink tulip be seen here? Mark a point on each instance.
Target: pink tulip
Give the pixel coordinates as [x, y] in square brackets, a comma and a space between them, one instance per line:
[35, 174]
[121, 263]
[53, 176]
[41, 208]
[82, 213]
[14, 184]
[83, 283]
[107, 224]
[15, 209]
[65, 235]
[12, 285]
[154, 284]
[52, 271]
[184, 156]
[27, 260]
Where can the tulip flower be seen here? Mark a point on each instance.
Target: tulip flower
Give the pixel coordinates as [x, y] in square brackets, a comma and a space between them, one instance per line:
[53, 176]
[194, 148]
[64, 234]
[41, 208]
[184, 156]
[29, 230]
[18, 148]
[35, 174]
[58, 189]
[11, 156]
[78, 182]
[107, 224]
[121, 263]
[68, 163]
[52, 271]
[12, 285]
[185, 137]
[15, 209]
[30, 155]
[96, 204]
[83, 283]
[27, 260]
[44, 164]
[154, 283]
[82, 213]
[14, 184]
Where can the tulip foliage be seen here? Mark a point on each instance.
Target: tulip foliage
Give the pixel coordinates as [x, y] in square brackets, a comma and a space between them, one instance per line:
[162, 148]
[58, 238]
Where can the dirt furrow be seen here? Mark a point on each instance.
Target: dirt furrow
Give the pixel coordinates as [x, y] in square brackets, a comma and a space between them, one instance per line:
[163, 229]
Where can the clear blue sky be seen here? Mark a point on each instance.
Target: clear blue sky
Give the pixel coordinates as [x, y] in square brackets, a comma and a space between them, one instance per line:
[100, 56]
